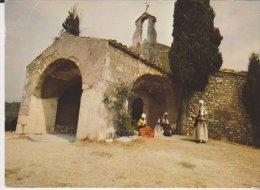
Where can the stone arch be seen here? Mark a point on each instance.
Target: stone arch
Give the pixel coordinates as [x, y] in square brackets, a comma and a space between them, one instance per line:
[63, 67]
[157, 94]
[59, 88]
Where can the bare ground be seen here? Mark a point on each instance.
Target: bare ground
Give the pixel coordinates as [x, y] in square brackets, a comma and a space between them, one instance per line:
[58, 161]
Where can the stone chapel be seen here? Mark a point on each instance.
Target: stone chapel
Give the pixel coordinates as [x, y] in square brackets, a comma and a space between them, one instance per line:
[65, 85]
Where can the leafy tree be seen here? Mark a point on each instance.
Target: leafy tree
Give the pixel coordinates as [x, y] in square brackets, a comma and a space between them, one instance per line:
[194, 53]
[252, 95]
[115, 102]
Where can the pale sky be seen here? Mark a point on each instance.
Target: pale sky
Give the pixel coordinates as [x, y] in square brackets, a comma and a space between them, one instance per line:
[32, 24]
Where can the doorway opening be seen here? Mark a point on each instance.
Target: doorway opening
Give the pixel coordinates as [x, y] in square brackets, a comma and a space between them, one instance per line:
[137, 109]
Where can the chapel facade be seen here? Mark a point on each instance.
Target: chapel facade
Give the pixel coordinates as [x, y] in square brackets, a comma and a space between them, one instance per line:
[65, 84]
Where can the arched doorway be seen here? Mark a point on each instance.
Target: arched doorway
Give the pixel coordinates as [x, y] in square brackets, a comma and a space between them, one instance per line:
[137, 109]
[61, 81]
[156, 93]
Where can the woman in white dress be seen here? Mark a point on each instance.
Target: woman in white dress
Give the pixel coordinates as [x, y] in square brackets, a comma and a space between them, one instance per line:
[201, 130]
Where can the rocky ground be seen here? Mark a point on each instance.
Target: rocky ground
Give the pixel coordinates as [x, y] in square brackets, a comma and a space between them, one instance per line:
[59, 161]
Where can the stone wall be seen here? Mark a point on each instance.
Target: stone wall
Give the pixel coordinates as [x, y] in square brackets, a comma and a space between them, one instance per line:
[227, 118]
[157, 53]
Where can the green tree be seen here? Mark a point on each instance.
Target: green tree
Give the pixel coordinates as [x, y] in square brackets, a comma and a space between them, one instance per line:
[115, 102]
[252, 95]
[71, 24]
[194, 53]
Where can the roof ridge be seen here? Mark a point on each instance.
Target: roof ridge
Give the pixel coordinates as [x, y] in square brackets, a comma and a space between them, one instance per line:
[233, 71]
[135, 55]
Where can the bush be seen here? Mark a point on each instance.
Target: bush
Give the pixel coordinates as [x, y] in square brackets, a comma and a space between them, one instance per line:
[10, 123]
[11, 115]
[116, 103]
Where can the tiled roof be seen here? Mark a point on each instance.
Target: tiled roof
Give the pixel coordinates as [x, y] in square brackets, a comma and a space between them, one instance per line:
[135, 55]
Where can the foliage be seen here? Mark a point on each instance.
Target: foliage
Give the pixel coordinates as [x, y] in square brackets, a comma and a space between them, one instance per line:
[115, 102]
[71, 24]
[194, 53]
[12, 108]
[252, 95]
[11, 115]
[10, 123]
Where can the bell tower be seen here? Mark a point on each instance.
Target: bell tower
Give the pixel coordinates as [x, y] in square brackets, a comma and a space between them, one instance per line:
[151, 32]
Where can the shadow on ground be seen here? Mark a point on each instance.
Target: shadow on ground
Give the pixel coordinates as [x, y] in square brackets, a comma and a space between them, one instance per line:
[69, 138]
[189, 139]
[60, 138]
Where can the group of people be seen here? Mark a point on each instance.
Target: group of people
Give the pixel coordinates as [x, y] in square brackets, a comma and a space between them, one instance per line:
[163, 126]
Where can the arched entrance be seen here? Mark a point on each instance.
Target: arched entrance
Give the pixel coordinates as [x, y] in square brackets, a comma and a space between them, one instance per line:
[61, 81]
[157, 96]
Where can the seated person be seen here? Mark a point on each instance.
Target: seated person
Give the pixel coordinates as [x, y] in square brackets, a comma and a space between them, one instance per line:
[164, 122]
[144, 130]
[158, 129]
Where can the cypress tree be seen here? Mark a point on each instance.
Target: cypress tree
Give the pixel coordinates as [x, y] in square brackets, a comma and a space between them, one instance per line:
[71, 24]
[194, 53]
[252, 95]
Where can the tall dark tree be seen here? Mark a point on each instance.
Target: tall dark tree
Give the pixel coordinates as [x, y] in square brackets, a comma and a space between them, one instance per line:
[252, 95]
[194, 53]
[71, 24]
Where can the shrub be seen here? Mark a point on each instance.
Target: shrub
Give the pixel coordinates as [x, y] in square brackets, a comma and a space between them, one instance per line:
[116, 103]
[10, 123]
[251, 95]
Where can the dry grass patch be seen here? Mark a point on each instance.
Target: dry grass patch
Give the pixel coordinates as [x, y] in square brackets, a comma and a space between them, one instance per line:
[12, 171]
[187, 165]
[102, 154]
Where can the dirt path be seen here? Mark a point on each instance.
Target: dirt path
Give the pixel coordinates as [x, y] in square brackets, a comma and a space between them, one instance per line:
[57, 161]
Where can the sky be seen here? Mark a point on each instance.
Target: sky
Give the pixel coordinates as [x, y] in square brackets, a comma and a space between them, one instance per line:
[31, 26]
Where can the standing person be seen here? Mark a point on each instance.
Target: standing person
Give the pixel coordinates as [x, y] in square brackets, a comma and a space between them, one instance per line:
[201, 130]
[145, 131]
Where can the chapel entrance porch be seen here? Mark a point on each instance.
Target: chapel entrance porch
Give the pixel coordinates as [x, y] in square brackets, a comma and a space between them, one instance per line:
[61, 84]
